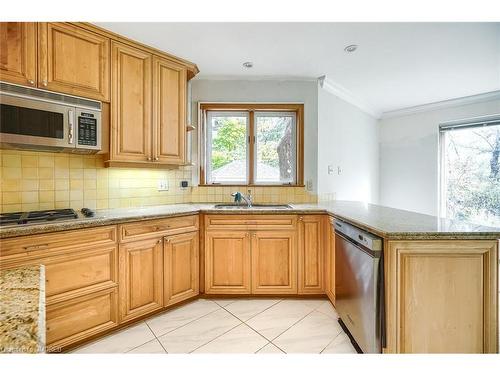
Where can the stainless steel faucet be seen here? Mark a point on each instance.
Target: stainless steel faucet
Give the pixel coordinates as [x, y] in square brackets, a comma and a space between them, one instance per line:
[247, 198]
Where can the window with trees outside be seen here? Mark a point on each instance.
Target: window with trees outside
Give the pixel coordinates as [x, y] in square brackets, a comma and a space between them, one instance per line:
[252, 144]
[470, 171]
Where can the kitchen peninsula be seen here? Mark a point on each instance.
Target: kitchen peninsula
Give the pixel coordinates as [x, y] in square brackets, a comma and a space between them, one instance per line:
[441, 277]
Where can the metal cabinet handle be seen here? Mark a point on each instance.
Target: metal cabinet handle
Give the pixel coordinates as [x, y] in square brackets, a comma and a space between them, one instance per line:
[71, 125]
[301, 218]
[157, 229]
[149, 159]
[156, 158]
[44, 83]
[31, 82]
[159, 241]
[36, 247]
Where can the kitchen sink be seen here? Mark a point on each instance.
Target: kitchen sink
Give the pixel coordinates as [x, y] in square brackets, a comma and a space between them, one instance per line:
[226, 206]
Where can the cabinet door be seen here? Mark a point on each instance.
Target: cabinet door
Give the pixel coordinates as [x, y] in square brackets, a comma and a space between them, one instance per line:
[274, 262]
[227, 262]
[181, 267]
[73, 60]
[18, 52]
[131, 125]
[311, 254]
[79, 318]
[169, 111]
[330, 263]
[141, 273]
[442, 296]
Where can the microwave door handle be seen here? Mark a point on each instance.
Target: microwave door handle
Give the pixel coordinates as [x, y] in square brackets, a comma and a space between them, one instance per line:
[71, 118]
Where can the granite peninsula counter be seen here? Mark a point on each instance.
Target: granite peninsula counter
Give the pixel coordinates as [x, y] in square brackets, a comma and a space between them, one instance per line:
[386, 222]
[22, 310]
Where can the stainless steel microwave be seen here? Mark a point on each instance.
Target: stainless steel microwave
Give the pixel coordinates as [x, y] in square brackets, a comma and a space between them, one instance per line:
[42, 120]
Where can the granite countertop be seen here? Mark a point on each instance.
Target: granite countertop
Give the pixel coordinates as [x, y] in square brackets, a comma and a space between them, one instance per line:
[22, 310]
[386, 222]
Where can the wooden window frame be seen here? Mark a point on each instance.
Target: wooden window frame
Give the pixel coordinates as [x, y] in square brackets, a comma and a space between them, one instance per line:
[298, 108]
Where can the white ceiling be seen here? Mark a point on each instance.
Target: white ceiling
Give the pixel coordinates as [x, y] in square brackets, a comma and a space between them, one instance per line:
[397, 65]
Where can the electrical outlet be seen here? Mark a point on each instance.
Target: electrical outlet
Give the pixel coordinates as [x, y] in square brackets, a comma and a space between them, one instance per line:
[184, 185]
[162, 185]
[339, 170]
[330, 169]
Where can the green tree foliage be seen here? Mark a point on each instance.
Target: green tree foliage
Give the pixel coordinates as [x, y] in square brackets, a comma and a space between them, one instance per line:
[273, 137]
[271, 131]
[473, 178]
[229, 140]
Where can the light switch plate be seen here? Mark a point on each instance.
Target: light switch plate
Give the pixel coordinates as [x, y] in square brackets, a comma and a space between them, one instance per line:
[162, 185]
[309, 185]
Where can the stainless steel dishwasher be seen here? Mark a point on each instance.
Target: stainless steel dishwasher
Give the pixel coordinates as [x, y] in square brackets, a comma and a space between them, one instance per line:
[359, 285]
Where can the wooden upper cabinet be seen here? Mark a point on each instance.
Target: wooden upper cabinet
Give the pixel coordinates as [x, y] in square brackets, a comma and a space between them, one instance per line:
[169, 111]
[73, 61]
[141, 273]
[131, 120]
[311, 254]
[227, 262]
[274, 262]
[18, 53]
[181, 267]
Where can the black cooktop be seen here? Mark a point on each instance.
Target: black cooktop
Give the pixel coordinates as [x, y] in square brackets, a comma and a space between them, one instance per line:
[37, 216]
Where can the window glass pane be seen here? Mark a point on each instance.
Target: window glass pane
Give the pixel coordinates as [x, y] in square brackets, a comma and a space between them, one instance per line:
[471, 167]
[227, 147]
[275, 148]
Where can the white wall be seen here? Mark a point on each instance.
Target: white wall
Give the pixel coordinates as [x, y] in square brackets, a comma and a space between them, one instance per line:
[267, 91]
[409, 155]
[347, 138]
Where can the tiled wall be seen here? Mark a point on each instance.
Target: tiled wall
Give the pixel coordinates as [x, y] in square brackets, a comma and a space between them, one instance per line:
[41, 180]
[276, 194]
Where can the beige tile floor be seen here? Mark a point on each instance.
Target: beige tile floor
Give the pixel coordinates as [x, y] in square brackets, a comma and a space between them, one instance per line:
[233, 326]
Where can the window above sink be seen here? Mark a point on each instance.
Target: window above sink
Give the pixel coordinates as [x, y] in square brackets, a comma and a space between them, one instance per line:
[252, 144]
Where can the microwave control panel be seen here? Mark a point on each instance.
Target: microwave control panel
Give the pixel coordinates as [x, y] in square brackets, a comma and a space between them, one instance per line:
[87, 129]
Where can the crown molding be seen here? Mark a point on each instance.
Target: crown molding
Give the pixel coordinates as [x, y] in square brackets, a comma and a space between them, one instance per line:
[347, 96]
[487, 96]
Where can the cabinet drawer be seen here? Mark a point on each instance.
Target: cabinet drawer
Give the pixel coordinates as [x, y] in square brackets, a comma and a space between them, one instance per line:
[251, 222]
[76, 273]
[82, 317]
[52, 243]
[80, 272]
[155, 228]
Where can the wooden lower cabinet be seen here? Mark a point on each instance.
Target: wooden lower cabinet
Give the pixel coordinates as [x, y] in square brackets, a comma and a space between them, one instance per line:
[274, 262]
[76, 319]
[311, 254]
[181, 267]
[330, 261]
[441, 296]
[227, 262]
[141, 278]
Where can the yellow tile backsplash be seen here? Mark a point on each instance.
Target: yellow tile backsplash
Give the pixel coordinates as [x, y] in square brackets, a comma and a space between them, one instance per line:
[41, 181]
